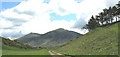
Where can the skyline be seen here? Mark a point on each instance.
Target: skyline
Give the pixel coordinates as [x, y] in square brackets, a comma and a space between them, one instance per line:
[41, 16]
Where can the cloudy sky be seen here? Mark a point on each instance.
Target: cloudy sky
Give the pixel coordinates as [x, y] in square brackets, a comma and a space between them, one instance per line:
[20, 17]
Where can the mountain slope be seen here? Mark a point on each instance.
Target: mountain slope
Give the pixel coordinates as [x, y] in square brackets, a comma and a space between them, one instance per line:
[51, 39]
[101, 41]
[29, 39]
[29, 36]
[11, 47]
[7, 43]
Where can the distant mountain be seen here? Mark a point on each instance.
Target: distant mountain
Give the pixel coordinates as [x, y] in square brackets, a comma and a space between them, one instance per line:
[29, 39]
[51, 39]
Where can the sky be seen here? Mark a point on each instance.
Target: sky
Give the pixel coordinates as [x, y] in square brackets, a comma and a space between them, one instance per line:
[20, 17]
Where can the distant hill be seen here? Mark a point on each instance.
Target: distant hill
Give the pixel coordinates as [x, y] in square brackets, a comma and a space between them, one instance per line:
[101, 41]
[29, 39]
[12, 43]
[51, 39]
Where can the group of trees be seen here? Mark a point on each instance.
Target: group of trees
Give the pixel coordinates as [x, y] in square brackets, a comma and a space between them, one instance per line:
[104, 18]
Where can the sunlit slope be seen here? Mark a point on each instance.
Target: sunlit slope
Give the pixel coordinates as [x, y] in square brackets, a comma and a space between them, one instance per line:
[11, 47]
[101, 41]
[14, 43]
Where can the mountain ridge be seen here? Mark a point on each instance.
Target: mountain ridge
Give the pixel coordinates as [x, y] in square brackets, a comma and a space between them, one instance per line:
[50, 39]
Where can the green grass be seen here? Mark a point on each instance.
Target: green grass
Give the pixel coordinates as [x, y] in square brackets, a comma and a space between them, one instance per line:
[12, 50]
[8, 50]
[101, 41]
[26, 52]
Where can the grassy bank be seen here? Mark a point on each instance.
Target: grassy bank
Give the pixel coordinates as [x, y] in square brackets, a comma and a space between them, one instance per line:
[101, 41]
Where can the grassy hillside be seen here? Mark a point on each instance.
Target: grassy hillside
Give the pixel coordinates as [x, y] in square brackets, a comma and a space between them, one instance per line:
[14, 43]
[11, 47]
[101, 41]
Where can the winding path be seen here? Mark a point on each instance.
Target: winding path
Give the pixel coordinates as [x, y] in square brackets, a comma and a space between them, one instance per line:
[56, 54]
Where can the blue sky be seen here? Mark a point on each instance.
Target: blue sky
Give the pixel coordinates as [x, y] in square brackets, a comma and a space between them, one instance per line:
[68, 17]
[78, 1]
[8, 5]
[54, 16]
[46, 1]
[0, 6]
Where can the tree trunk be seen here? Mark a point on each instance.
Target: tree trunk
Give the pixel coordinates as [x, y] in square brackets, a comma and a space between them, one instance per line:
[116, 18]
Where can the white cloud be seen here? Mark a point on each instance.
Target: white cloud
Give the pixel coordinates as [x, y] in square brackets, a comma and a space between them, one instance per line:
[43, 24]
[34, 15]
[15, 33]
[111, 3]
[11, 14]
[12, 0]
[5, 24]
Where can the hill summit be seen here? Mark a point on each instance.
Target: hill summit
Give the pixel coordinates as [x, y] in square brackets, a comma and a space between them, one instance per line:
[50, 39]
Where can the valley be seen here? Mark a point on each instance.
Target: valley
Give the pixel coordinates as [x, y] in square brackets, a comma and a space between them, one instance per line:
[101, 41]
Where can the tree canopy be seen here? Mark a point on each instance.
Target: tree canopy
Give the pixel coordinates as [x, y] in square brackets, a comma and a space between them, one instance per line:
[106, 17]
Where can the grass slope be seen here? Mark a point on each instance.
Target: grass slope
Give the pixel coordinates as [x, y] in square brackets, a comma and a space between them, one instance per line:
[15, 48]
[101, 41]
[15, 44]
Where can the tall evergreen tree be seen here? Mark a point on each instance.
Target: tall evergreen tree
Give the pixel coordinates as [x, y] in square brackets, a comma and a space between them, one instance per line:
[118, 10]
[92, 24]
[114, 9]
[110, 14]
[101, 18]
[104, 18]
